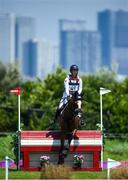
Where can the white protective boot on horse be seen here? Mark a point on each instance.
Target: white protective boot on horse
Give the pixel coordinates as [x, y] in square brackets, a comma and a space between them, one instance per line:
[78, 111]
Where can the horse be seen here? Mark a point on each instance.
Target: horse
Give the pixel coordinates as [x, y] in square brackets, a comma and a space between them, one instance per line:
[69, 121]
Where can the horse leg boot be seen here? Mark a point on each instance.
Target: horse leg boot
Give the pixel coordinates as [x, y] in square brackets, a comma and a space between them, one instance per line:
[79, 112]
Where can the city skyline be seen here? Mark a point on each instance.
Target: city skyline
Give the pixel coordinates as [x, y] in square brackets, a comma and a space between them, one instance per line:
[79, 46]
[19, 46]
[47, 13]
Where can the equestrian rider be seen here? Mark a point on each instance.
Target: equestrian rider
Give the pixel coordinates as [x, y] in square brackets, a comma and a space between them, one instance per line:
[72, 84]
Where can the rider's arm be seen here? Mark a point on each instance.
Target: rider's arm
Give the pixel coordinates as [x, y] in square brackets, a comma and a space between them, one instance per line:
[80, 86]
[66, 86]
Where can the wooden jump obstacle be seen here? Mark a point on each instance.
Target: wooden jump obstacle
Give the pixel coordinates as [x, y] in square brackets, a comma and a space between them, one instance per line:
[37, 143]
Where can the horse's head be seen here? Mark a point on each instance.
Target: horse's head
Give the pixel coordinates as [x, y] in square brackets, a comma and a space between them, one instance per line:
[73, 103]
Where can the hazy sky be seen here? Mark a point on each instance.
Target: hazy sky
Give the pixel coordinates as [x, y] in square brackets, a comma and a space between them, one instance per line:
[48, 12]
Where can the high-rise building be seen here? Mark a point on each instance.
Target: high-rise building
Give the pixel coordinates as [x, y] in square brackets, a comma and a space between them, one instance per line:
[78, 46]
[25, 31]
[29, 62]
[93, 46]
[7, 38]
[38, 58]
[113, 27]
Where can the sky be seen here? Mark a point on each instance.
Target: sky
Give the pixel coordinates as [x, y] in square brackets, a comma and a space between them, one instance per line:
[48, 12]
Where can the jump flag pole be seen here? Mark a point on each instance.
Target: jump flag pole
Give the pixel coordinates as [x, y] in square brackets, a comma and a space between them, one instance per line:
[102, 92]
[17, 91]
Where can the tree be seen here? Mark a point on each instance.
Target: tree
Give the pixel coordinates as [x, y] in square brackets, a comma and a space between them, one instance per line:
[40, 99]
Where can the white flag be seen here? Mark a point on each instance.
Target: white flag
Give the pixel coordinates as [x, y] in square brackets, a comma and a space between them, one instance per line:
[112, 163]
[104, 91]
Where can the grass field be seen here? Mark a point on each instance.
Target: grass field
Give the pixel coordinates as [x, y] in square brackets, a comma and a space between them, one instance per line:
[114, 149]
[13, 174]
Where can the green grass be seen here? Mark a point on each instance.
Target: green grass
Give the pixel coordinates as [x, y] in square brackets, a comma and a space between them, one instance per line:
[114, 149]
[14, 174]
[89, 175]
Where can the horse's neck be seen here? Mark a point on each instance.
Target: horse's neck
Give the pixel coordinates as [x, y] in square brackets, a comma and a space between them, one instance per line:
[71, 105]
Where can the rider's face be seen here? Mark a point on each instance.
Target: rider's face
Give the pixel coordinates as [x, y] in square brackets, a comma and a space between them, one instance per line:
[74, 73]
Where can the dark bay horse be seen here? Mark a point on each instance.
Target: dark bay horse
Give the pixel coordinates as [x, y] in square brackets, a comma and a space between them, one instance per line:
[69, 124]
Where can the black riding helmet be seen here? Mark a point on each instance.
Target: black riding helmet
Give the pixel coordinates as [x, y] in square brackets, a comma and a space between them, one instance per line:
[74, 67]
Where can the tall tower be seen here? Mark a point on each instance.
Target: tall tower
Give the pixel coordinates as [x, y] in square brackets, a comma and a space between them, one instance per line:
[113, 27]
[7, 38]
[25, 30]
[71, 42]
[38, 58]
[79, 46]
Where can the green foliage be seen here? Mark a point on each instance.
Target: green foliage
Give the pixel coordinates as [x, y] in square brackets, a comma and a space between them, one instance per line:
[14, 143]
[9, 77]
[40, 99]
[6, 147]
[116, 149]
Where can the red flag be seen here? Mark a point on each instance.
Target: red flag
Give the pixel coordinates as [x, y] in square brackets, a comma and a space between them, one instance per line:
[16, 91]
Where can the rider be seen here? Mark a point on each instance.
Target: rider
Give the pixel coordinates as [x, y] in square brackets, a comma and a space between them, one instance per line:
[72, 83]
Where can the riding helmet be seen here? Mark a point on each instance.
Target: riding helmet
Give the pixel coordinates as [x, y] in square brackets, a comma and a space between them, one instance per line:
[74, 67]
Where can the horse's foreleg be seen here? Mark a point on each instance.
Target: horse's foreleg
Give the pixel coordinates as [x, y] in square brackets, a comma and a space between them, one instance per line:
[62, 140]
[77, 119]
[70, 137]
[61, 153]
[74, 132]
